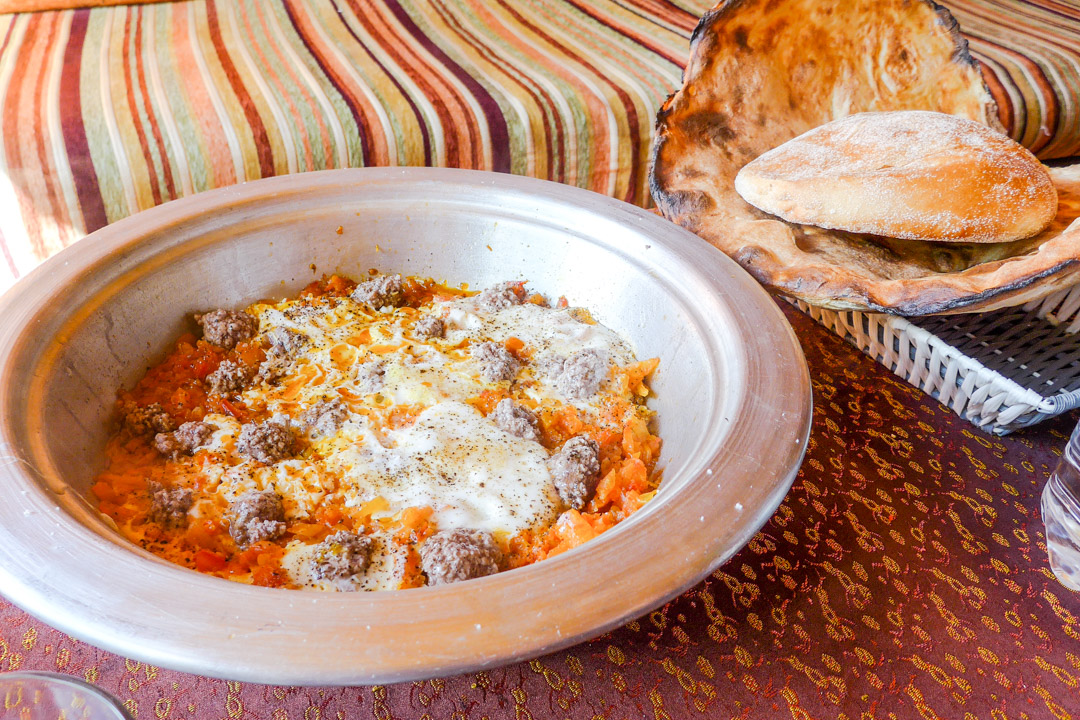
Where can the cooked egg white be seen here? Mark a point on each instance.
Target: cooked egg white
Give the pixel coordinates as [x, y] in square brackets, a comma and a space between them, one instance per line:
[548, 332]
[453, 459]
[384, 572]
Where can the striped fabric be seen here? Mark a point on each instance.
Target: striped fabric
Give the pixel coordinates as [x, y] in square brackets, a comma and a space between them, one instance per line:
[112, 110]
[1030, 53]
[12, 6]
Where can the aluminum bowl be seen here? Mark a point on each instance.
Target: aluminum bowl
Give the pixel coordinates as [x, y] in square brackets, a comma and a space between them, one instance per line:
[732, 396]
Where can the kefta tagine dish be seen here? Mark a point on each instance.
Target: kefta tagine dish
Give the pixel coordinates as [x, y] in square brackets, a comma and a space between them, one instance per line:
[730, 396]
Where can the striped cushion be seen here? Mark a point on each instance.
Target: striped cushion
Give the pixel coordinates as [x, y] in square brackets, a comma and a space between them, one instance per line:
[11, 6]
[108, 111]
[1030, 54]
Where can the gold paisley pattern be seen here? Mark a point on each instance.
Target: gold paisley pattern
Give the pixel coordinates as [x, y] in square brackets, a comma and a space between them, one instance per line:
[904, 576]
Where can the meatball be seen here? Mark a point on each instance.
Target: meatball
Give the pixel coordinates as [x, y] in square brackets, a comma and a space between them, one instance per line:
[225, 328]
[501, 296]
[380, 292]
[576, 469]
[287, 341]
[429, 326]
[496, 362]
[516, 420]
[453, 555]
[229, 378]
[266, 442]
[341, 557]
[277, 363]
[169, 507]
[285, 345]
[185, 441]
[169, 446]
[143, 420]
[324, 418]
[549, 366]
[370, 377]
[195, 434]
[256, 515]
[582, 374]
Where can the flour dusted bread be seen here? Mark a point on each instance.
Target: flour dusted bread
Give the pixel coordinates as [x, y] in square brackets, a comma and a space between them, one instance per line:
[912, 174]
[762, 72]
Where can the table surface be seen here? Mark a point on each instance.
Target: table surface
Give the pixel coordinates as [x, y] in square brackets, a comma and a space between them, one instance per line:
[904, 575]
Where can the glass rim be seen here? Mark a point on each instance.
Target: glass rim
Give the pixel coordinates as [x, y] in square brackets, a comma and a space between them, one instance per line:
[69, 681]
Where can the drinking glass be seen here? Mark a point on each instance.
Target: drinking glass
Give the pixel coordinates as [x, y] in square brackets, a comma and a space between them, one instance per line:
[50, 696]
[1061, 515]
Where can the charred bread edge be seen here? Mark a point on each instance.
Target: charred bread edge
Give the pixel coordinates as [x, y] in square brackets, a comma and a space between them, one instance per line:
[674, 205]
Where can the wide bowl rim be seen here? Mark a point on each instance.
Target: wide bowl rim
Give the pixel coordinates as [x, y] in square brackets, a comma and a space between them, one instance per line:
[785, 416]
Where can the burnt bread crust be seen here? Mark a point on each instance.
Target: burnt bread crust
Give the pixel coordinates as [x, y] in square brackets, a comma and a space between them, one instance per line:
[756, 80]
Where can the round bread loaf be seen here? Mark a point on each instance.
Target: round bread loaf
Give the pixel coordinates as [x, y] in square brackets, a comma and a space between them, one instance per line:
[911, 174]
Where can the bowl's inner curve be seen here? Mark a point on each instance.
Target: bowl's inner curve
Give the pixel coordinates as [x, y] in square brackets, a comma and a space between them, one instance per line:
[146, 295]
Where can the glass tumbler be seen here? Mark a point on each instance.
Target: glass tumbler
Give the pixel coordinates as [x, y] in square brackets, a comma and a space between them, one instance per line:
[50, 696]
[1061, 515]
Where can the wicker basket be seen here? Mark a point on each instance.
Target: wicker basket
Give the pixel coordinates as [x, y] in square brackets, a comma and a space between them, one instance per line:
[1000, 370]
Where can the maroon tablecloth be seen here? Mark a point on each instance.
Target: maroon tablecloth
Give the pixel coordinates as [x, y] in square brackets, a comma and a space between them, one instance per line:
[904, 576]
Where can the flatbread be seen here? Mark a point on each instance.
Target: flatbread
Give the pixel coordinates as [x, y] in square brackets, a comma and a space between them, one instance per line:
[909, 174]
[762, 72]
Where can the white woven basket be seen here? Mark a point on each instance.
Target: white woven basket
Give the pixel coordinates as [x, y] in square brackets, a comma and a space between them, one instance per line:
[1000, 370]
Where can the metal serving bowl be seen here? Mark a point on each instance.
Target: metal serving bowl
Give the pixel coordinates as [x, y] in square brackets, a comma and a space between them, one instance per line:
[732, 397]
